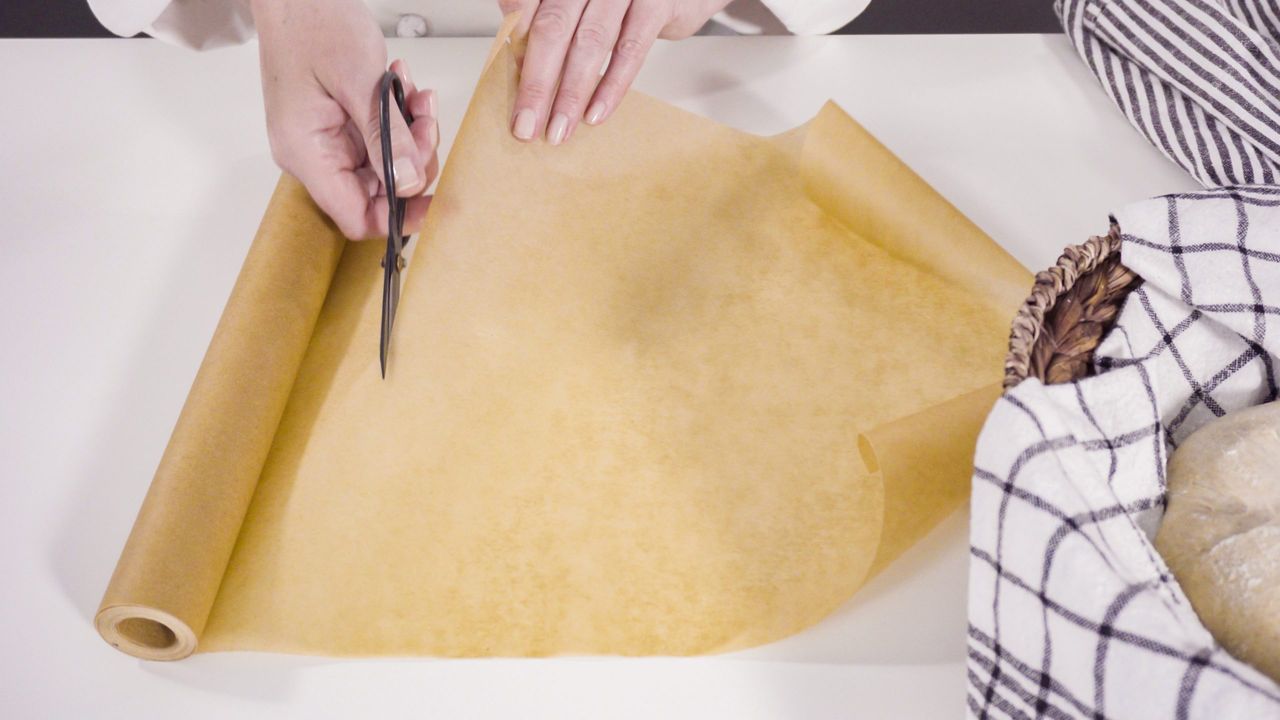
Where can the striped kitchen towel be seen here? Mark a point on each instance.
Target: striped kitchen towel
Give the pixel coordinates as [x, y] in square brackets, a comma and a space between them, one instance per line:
[1199, 78]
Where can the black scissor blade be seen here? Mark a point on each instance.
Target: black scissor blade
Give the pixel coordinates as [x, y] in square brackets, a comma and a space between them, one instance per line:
[390, 299]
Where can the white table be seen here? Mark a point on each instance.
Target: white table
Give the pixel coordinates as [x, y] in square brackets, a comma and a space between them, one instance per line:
[132, 178]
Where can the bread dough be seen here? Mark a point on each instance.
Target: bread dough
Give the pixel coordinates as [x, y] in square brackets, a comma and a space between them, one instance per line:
[1221, 533]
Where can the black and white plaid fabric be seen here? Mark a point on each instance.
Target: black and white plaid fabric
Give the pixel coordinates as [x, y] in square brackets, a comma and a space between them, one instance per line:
[1072, 613]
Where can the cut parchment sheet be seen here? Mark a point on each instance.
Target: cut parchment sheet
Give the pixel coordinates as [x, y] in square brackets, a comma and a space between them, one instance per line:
[668, 388]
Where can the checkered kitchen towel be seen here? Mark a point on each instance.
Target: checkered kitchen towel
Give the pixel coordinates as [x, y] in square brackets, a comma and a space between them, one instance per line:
[1072, 613]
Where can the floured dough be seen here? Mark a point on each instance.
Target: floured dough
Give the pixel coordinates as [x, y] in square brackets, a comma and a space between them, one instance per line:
[1221, 533]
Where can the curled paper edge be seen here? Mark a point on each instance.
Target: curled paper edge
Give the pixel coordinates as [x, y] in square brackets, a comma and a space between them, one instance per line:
[910, 470]
[896, 221]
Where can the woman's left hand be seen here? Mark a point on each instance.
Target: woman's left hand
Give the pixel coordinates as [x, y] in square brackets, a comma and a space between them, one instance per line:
[569, 43]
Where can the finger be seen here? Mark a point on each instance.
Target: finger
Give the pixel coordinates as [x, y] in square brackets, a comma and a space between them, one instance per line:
[425, 130]
[433, 169]
[422, 103]
[401, 69]
[549, 35]
[426, 134]
[422, 106]
[519, 34]
[363, 105]
[369, 181]
[688, 19]
[595, 37]
[343, 196]
[639, 30]
[415, 211]
[374, 187]
[526, 8]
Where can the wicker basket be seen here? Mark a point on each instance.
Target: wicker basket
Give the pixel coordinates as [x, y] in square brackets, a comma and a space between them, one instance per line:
[1072, 306]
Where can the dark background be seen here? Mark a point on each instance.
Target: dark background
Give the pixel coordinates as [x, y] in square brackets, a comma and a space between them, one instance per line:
[952, 16]
[71, 18]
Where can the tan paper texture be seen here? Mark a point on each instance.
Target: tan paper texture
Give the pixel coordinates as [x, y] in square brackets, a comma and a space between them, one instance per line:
[669, 388]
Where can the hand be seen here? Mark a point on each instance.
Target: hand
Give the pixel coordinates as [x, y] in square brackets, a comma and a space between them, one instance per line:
[569, 43]
[322, 66]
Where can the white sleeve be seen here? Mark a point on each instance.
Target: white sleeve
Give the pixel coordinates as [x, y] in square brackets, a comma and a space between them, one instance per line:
[816, 17]
[199, 24]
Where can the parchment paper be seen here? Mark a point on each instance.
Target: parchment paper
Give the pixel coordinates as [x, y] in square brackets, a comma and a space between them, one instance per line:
[669, 388]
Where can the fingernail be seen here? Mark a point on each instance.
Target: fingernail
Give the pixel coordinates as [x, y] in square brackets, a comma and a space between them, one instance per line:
[596, 115]
[523, 126]
[406, 78]
[406, 174]
[431, 103]
[433, 133]
[559, 126]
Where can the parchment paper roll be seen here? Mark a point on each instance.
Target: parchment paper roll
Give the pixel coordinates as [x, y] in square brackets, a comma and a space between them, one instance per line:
[667, 389]
[164, 585]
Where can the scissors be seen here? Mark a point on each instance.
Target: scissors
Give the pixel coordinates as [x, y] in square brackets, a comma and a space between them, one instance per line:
[393, 261]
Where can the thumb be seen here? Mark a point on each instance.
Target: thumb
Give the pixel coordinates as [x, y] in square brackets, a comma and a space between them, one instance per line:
[407, 163]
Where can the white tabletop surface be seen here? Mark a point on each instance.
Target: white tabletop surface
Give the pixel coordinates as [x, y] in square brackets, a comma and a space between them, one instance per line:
[132, 178]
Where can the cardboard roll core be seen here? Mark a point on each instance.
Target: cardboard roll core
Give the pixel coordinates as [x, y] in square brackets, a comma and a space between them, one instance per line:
[148, 633]
[145, 633]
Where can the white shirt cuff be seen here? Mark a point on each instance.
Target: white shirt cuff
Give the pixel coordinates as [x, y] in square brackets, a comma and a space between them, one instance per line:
[816, 17]
[127, 17]
[204, 25]
[199, 24]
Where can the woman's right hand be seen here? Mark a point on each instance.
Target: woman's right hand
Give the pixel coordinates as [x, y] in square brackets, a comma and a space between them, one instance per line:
[322, 66]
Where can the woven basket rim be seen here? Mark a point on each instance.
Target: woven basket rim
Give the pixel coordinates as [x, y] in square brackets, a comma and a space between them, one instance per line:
[1050, 285]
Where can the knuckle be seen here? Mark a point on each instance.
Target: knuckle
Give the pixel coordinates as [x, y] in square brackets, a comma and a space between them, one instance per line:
[681, 25]
[592, 36]
[535, 91]
[551, 23]
[569, 98]
[613, 88]
[630, 48]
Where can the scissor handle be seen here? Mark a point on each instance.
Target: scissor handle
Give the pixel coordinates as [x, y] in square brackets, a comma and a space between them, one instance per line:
[392, 87]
